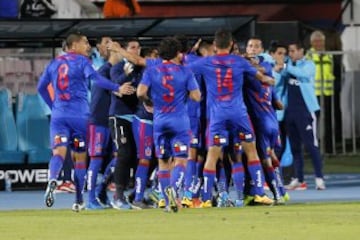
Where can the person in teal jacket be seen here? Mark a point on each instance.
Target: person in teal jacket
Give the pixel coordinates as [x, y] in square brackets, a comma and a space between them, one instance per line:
[300, 119]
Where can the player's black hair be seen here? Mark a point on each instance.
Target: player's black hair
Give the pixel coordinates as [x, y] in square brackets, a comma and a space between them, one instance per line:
[223, 38]
[169, 47]
[73, 37]
[274, 45]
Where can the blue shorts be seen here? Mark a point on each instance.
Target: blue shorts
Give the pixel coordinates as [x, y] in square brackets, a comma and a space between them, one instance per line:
[195, 141]
[99, 139]
[143, 135]
[172, 138]
[69, 132]
[236, 123]
[267, 135]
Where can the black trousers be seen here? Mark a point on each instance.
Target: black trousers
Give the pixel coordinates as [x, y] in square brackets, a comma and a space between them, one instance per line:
[122, 135]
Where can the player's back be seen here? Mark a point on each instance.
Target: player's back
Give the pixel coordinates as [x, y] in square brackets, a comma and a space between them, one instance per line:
[169, 90]
[258, 96]
[69, 75]
[223, 75]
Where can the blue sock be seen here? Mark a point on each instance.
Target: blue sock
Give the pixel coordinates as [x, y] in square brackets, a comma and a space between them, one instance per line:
[198, 176]
[257, 177]
[279, 180]
[177, 176]
[109, 171]
[189, 174]
[164, 180]
[94, 168]
[80, 173]
[55, 166]
[222, 182]
[238, 179]
[209, 178]
[140, 180]
[272, 182]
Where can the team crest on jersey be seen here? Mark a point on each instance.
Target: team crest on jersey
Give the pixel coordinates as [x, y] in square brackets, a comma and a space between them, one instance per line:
[148, 152]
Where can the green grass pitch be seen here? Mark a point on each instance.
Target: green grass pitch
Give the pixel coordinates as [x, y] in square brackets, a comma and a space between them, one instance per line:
[292, 222]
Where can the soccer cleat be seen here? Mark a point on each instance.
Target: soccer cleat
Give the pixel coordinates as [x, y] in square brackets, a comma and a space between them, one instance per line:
[77, 207]
[139, 205]
[186, 202]
[161, 203]
[223, 200]
[155, 196]
[280, 201]
[206, 204]
[170, 193]
[239, 203]
[121, 204]
[196, 202]
[248, 200]
[296, 185]
[320, 184]
[263, 200]
[286, 197]
[49, 193]
[66, 186]
[94, 206]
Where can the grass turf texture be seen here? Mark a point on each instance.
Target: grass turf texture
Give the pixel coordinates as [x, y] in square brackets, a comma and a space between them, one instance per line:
[296, 221]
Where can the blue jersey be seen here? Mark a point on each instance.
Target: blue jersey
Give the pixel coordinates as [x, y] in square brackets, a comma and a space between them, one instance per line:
[70, 75]
[259, 96]
[126, 105]
[223, 75]
[193, 106]
[169, 84]
[100, 100]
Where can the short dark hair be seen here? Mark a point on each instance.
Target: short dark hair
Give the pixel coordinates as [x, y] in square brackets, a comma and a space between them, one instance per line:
[184, 42]
[73, 37]
[274, 45]
[169, 47]
[255, 38]
[127, 41]
[223, 38]
[299, 45]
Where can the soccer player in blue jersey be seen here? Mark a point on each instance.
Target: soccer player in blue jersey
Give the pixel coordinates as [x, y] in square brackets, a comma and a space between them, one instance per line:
[259, 99]
[170, 84]
[70, 75]
[223, 74]
[192, 180]
[300, 119]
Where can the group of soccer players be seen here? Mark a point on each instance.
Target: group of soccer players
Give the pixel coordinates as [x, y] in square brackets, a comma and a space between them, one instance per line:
[197, 111]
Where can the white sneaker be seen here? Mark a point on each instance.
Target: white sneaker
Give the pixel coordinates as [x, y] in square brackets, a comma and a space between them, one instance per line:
[320, 184]
[77, 207]
[296, 185]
